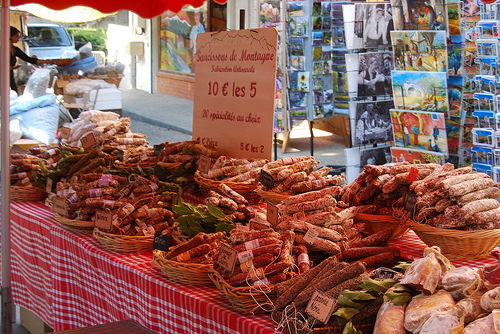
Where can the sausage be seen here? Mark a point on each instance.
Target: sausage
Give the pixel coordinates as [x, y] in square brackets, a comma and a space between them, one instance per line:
[303, 258]
[227, 191]
[442, 221]
[255, 243]
[181, 248]
[258, 273]
[430, 198]
[351, 191]
[193, 253]
[320, 244]
[487, 216]
[271, 280]
[451, 211]
[239, 236]
[357, 253]
[350, 284]
[426, 213]
[319, 203]
[259, 261]
[302, 226]
[287, 238]
[469, 209]
[386, 259]
[492, 192]
[253, 253]
[470, 186]
[456, 179]
[406, 168]
[377, 239]
[443, 204]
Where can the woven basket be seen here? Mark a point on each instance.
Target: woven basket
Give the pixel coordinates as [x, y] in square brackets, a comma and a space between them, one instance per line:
[80, 226]
[68, 147]
[246, 189]
[246, 300]
[27, 193]
[186, 273]
[457, 244]
[272, 197]
[377, 223]
[124, 243]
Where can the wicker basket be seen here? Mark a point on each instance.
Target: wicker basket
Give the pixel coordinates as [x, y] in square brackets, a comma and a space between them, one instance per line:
[124, 243]
[187, 273]
[247, 300]
[272, 197]
[457, 244]
[376, 223]
[80, 226]
[113, 77]
[27, 193]
[246, 189]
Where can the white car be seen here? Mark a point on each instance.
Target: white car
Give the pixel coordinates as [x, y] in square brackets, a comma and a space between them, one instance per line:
[48, 41]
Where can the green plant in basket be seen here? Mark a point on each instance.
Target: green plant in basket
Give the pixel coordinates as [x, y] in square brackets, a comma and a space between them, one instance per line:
[193, 219]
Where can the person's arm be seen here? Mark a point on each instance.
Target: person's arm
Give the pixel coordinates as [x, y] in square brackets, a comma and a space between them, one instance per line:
[32, 60]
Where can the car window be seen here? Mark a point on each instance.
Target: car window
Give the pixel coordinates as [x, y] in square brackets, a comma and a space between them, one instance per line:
[48, 36]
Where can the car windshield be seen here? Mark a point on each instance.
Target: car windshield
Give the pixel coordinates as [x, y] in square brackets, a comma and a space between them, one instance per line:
[48, 36]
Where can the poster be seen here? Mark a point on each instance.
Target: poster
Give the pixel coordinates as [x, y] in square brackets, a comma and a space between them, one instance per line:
[372, 122]
[235, 91]
[416, 156]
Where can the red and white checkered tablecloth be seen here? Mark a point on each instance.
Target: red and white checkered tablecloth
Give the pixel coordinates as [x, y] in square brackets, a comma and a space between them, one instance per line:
[69, 280]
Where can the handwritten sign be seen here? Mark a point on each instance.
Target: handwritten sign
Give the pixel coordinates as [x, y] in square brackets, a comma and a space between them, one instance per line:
[227, 257]
[119, 155]
[64, 132]
[266, 179]
[161, 242]
[60, 206]
[204, 163]
[321, 306]
[88, 141]
[103, 220]
[272, 214]
[235, 90]
[410, 202]
[311, 236]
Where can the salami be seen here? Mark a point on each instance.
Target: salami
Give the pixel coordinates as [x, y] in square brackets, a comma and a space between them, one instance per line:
[302, 226]
[258, 273]
[181, 248]
[255, 243]
[443, 204]
[244, 256]
[353, 254]
[240, 236]
[319, 203]
[287, 239]
[351, 191]
[470, 186]
[456, 179]
[486, 216]
[443, 221]
[386, 259]
[492, 192]
[321, 244]
[193, 253]
[469, 209]
[377, 239]
[303, 258]
[260, 261]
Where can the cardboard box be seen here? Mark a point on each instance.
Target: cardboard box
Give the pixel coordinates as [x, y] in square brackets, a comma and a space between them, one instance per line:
[59, 86]
[107, 99]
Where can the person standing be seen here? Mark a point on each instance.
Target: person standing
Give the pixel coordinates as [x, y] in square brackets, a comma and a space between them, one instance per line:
[375, 29]
[195, 30]
[407, 135]
[15, 53]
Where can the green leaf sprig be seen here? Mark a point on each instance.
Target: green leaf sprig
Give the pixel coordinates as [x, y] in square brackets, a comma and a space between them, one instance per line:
[193, 219]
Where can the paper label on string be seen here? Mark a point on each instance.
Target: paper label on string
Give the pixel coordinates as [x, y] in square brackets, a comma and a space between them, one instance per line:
[252, 244]
[272, 214]
[311, 236]
[64, 132]
[96, 192]
[103, 220]
[246, 266]
[48, 188]
[204, 164]
[119, 155]
[60, 206]
[321, 306]
[296, 168]
[227, 257]
[88, 141]
[184, 257]
[256, 273]
[158, 149]
[266, 179]
[245, 256]
[303, 258]
[412, 176]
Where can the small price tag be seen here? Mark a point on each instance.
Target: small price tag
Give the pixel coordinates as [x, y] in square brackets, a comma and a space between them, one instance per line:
[272, 214]
[204, 164]
[60, 206]
[103, 220]
[227, 257]
[410, 202]
[412, 176]
[299, 215]
[311, 236]
[161, 242]
[321, 306]
[48, 188]
[119, 155]
[64, 132]
[266, 179]
[158, 149]
[88, 141]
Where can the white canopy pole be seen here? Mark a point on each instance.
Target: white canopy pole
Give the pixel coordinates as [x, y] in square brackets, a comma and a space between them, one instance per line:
[5, 171]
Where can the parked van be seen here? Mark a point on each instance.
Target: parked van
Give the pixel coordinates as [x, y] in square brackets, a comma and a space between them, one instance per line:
[48, 41]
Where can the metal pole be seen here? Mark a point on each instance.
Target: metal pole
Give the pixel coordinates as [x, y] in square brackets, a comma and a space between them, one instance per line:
[5, 171]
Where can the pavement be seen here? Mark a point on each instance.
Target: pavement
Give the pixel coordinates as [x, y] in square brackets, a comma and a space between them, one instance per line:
[168, 118]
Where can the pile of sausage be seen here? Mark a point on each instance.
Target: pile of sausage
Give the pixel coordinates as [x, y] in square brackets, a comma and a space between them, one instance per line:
[457, 199]
[185, 151]
[297, 175]
[202, 249]
[91, 121]
[319, 212]
[136, 207]
[228, 169]
[382, 189]
[231, 203]
[91, 161]
[264, 257]
[23, 165]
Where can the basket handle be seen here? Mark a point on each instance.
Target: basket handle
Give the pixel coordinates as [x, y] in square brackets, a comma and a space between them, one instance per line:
[113, 73]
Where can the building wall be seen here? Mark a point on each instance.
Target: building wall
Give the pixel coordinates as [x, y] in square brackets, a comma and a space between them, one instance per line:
[175, 84]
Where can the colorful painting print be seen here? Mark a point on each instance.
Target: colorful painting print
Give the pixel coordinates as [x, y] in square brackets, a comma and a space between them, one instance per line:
[328, 95]
[466, 156]
[269, 12]
[484, 102]
[415, 156]
[420, 130]
[297, 63]
[455, 94]
[455, 56]
[483, 137]
[454, 27]
[298, 99]
[297, 46]
[468, 107]
[470, 55]
[298, 26]
[317, 38]
[488, 29]
[420, 50]
[317, 82]
[453, 135]
[471, 7]
[373, 122]
[374, 74]
[421, 91]
[488, 65]
[419, 14]
[296, 8]
[487, 47]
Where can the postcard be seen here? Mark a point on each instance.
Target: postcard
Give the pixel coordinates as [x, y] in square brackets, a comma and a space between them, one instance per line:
[372, 122]
[420, 130]
[420, 50]
[327, 9]
[297, 63]
[488, 65]
[296, 8]
[422, 91]
[455, 56]
[495, 172]
[488, 29]
[485, 101]
[471, 7]
[497, 139]
[317, 23]
[317, 53]
[470, 55]
[416, 156]
[487, 47]
[483, 168]
[297, 46]
[470, 85]
[318, 111]
[486, 83]
[328, 95]
[298, 26]
[327, 110]
[483, 137]
[316, 9]
[496, 156]
[317, 82]
[470, 29]
[455, 95]
[465, 156]
[484, 119]
[454, 12]
[482, 155]
[454, 135]
[327, 66]
[327, 23]
[298, 99]
[326, 52]
[327, 38]
[317, 67]
[419, 15]
[317, 38]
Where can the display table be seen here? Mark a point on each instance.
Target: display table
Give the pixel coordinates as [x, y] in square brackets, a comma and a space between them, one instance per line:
[69, 280]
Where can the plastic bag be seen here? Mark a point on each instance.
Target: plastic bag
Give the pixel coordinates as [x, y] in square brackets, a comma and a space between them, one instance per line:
[37, 83]
[40, 122]
[463, 282]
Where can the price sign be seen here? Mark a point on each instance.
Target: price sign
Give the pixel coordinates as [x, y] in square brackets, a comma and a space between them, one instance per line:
[48, 188]
[161, 242]
[321, 306]
[272, 214]
[412, 176]
[158, 149]
[103, 220]
[266, 179]
[235, 91]
[60, 206]
[204, 163]
[119, 155]
[227, 257]
[88, 141]
[311, 236]
[64, 132]
[410, 202]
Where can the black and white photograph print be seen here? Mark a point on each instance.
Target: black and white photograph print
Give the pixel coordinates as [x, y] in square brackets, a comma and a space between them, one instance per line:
[372, 123]
[371, 26]
[374, 77]
[375, 156]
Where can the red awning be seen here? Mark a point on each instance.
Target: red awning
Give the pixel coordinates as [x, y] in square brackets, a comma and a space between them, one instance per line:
[143, 8]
